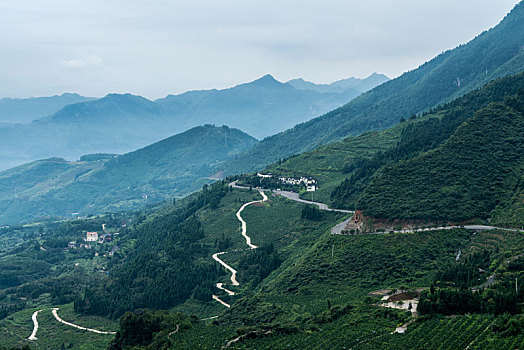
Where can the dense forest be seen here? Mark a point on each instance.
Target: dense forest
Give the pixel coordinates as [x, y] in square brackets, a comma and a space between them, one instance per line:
[418, 136]
[452, 291]
[475, 170]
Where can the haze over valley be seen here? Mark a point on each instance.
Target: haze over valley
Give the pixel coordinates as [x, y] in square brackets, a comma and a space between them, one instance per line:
[308, 209]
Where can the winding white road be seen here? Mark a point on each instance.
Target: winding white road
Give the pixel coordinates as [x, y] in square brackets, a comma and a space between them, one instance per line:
[234, 281]
[290, 195]
[35, 326]
[244, 225]
[77, 326]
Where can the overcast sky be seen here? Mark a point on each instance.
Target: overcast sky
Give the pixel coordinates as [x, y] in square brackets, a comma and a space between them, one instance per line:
[156, 47]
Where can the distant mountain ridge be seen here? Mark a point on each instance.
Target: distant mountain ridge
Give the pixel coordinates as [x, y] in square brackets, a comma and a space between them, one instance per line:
[495, 53]
[360, 85]
[119, 123]
[25, 110]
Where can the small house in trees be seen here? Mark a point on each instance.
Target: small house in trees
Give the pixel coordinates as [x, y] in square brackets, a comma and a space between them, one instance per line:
[311, 188]
[91, 236]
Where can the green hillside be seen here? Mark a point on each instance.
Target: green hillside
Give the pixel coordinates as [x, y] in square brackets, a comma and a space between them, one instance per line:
[475, 170]
[322, 286]
[511, 212]
[332, 163]
[493, 54]
[172, 167]
[345, 168]
[420, 135]
[301, 284]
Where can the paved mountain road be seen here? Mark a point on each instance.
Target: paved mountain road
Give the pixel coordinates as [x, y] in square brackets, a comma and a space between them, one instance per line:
[77, 326]
[35, 326]
[243, 224]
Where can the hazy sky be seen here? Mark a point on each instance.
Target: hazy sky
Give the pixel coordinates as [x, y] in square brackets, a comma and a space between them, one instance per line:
[156, 47]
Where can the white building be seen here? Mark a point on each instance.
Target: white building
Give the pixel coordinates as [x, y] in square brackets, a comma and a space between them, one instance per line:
[311, 188]
[91, 236]
[265, 176]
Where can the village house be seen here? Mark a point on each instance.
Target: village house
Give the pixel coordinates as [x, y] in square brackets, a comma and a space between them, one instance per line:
[72, 245]
[311, 188]
[265, 176]
[85, 245]
[106, 237]
[91, 237]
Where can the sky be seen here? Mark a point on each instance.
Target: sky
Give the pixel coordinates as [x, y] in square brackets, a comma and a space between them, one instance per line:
[158, 47]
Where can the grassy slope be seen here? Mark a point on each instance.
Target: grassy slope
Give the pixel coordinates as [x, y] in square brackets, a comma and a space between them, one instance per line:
[327, 163]
[277, 221]
[321, 287]
[343, 270]
[298, 293]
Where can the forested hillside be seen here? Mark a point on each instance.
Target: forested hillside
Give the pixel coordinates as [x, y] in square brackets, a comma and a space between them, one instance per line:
[172, 167]
[325, 285]
[418, 135]
[476, 169]
[165, 282]
[493, 54]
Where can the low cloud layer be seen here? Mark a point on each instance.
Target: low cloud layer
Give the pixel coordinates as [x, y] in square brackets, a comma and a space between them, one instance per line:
[82, 62]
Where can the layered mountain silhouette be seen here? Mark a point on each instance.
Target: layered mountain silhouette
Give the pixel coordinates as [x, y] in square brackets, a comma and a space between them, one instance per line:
[360, 85]
[119, 123]
[25, 110]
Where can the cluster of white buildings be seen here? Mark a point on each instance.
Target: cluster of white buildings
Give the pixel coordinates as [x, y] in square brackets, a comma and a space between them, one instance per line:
[311, 184]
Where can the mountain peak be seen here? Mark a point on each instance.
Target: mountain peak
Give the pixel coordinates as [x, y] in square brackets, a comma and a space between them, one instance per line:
[266, 80]
[124, 97]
